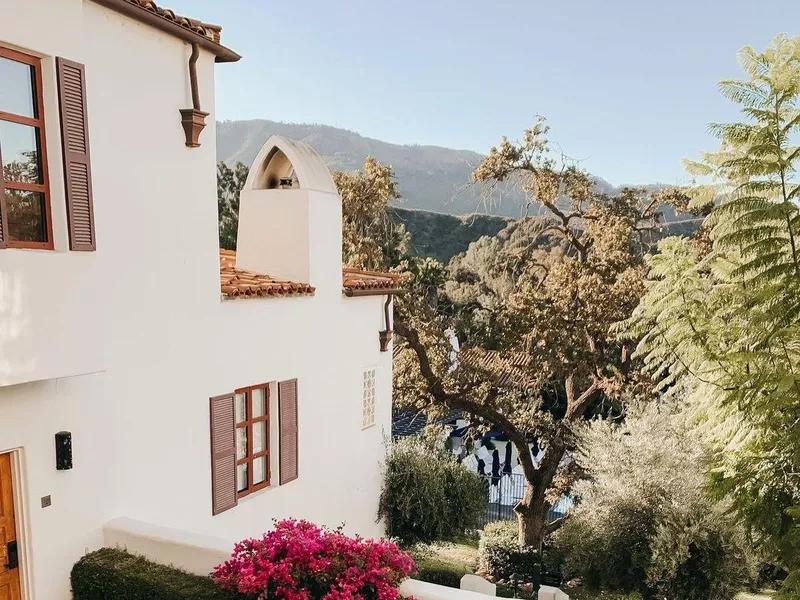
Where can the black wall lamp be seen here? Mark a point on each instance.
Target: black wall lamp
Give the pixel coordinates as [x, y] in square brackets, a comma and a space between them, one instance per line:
[63, 451]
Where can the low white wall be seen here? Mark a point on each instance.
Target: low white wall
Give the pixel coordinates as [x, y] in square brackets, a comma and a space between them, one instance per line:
[192, 552]
[422, 590]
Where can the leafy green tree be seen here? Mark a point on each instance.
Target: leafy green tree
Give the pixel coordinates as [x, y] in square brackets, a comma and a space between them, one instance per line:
[721, 319]
[230, 182]
[544, 298]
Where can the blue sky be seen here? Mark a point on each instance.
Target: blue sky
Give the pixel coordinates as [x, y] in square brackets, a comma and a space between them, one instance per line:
[627, 86]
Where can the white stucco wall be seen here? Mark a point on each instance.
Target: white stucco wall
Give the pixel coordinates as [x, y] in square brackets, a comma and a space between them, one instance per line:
[142, 338]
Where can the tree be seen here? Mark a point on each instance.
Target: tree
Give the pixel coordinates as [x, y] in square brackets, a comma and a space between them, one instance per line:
[549, 313]
[230, 182]
[722, 319]
[370, 239]
[643, 522]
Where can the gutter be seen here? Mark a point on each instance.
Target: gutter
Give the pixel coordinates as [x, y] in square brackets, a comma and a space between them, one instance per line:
[351, 293]
[384, 336]
[136, 12]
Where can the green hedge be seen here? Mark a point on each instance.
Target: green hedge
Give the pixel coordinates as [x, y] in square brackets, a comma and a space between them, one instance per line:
[111, 574]
[441, 575]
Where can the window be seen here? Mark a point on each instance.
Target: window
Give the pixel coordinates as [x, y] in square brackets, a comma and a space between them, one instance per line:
[24, 191]
[251, 416]
[368, 411]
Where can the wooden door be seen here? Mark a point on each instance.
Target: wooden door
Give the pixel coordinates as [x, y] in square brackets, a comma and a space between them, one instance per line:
[9, 556]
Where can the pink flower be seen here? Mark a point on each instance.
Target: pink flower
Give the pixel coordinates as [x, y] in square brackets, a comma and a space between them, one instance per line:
[298, 560]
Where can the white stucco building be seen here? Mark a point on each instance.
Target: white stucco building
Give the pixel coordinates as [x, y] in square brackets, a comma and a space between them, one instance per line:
[204, 391]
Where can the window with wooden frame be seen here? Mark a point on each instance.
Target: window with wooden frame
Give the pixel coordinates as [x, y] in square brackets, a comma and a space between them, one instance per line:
[251, 416]
[25, 218]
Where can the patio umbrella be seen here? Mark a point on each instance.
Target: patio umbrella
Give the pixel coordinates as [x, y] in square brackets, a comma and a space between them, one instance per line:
[507, 462]
[495, 467]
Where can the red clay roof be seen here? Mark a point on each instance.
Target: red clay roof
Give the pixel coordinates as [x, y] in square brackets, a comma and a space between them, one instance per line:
[167, 20]
[509, 369]
[238, 283]
[356, 280]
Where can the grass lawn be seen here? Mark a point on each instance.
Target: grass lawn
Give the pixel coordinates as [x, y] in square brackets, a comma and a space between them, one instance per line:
[446, 563]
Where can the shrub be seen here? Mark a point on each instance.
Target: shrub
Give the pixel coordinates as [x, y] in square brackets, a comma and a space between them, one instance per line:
[644, 523]
[111, 574]
[301, 561]
[427, 496]
[500, 554]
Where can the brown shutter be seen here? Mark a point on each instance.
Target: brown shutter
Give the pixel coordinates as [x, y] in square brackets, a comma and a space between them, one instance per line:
[75, 144]
[287, 423]
[3, 210]
[223, 454]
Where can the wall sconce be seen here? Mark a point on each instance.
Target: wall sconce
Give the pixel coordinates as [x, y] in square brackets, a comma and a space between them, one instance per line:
[63, 451]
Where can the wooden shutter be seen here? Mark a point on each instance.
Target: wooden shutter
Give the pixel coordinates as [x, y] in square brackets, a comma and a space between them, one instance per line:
[223, 454]
[75, 144]
[287, 423]
[3, 210]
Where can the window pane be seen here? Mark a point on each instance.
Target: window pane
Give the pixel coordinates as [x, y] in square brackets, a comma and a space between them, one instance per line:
[259, 470]
[240, 402]
[16, 88]
[259, 436]
[241, 477]
[241, 442]
[19, 146]
[26, 216]
[259, 403]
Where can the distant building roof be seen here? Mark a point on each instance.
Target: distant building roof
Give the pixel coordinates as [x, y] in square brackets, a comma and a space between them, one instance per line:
[411, 421]
[510, 369]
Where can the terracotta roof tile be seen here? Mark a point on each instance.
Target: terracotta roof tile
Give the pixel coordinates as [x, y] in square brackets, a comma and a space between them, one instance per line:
[208, 30]
[509, 369]
[358, 280]
[237, 283]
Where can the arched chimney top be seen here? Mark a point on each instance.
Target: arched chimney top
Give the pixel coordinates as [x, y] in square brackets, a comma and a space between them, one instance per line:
[283, 164]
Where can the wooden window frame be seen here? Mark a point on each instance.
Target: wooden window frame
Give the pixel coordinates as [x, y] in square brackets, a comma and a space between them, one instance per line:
[44, 187]
[248, 423]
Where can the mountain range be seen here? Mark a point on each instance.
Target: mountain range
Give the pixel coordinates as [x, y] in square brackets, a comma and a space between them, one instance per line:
[431, 178]
[441, 208]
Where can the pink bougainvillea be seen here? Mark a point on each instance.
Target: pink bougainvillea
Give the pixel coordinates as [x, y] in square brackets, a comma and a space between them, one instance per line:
[301, 561]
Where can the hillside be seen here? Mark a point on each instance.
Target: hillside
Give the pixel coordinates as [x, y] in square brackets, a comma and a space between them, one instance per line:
[443, 236]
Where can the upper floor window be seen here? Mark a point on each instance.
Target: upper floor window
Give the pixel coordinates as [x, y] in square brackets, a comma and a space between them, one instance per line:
[24, 191]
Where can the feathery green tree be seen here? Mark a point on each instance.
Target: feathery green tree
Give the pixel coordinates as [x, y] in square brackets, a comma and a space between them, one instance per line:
[721, 319]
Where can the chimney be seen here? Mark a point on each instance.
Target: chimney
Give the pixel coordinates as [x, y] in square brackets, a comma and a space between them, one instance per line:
[290, 217]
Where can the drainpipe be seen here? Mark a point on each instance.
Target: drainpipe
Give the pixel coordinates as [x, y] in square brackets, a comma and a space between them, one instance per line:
[193, 76]
[193, 119]
[386, 335]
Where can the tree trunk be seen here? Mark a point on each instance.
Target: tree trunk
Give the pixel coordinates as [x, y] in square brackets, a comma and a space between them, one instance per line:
[532, 520]
[533, 508]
